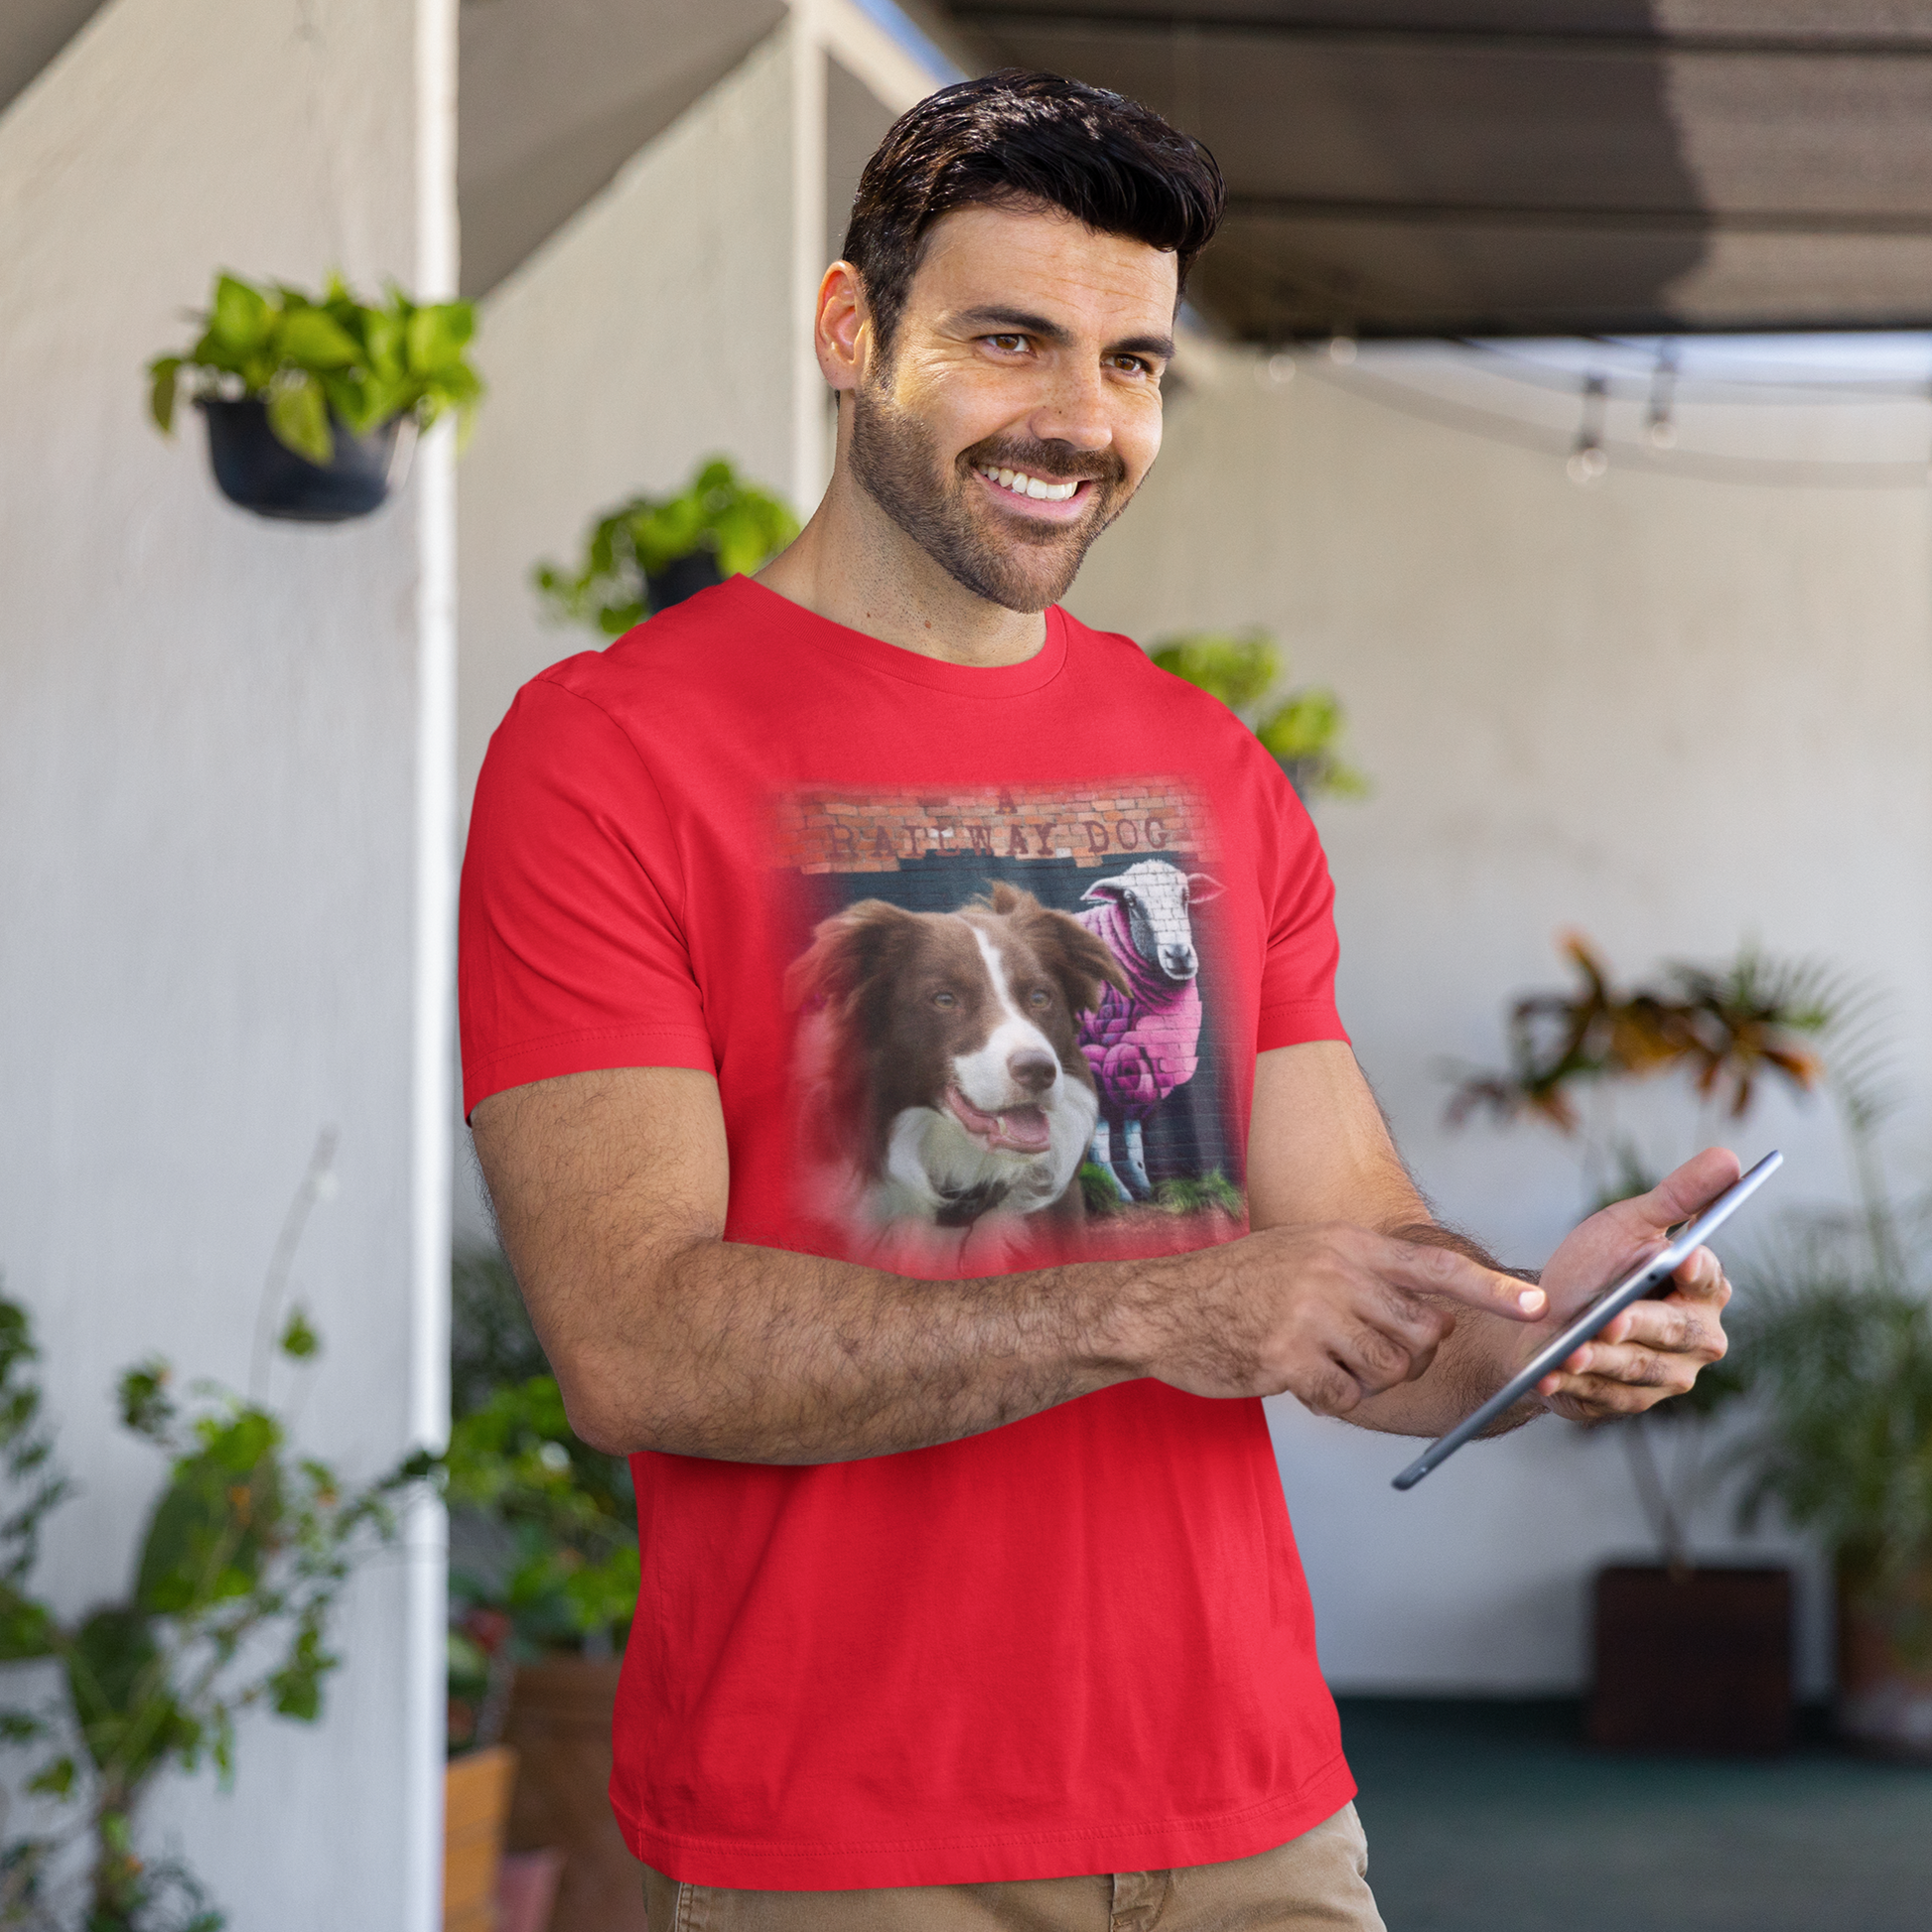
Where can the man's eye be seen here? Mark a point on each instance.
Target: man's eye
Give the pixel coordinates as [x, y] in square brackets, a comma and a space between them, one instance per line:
[1133, 364]
[945, 1000]
[1012, 343]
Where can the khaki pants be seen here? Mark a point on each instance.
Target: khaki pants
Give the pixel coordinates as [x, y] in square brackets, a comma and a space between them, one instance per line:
[1318, 1883]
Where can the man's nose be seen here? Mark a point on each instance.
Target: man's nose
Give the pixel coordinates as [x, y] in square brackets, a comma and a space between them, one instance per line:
[1074, 412]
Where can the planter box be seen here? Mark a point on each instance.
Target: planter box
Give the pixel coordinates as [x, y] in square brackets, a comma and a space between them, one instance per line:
[560, 1725]
[1700, 1661]
[476, 1808]
[1884, 1670]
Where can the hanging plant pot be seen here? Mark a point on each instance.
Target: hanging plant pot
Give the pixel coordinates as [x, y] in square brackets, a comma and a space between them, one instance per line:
[257, 471]
[683, 577]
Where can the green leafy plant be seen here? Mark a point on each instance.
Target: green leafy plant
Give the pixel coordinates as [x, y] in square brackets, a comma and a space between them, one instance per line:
[543, 1527]
[1841, 1436]
[245, 1556]
[610, 588]
[1301, 733]
[321, 361]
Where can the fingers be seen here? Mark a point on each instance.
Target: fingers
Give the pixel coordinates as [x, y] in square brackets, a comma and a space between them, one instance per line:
[1442, 1271]
[1701, 1279]
[1651, 1351]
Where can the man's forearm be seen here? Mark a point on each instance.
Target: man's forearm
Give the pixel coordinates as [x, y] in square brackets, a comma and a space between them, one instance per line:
[762, 1356]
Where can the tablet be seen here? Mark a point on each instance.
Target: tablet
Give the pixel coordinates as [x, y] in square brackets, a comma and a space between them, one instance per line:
[1644, 1279]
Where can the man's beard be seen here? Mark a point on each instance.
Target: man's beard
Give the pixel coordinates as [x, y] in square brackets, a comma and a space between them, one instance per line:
[1025, 564]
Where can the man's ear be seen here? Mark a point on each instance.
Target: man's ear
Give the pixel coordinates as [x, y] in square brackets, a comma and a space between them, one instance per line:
[842, 333]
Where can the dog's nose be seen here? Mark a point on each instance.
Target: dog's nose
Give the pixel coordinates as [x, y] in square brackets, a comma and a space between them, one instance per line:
[1032, 1070]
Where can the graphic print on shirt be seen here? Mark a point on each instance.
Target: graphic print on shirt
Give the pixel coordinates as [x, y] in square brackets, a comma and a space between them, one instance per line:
[1005, 1050]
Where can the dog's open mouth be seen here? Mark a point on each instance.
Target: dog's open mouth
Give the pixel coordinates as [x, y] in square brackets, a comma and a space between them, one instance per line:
[1021, 1128]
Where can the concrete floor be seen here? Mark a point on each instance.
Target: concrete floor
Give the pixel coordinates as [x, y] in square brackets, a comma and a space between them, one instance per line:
[1495, 1817]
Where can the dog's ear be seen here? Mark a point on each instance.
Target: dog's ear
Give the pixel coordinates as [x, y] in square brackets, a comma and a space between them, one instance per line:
[1009, 899]
[847, 952]
[1201, 888]
[1080, 960]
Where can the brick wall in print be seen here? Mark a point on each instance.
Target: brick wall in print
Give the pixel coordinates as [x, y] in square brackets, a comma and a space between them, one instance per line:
[831, 831]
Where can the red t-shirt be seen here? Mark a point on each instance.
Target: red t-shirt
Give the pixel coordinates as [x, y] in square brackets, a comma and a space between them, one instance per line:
[981, 960]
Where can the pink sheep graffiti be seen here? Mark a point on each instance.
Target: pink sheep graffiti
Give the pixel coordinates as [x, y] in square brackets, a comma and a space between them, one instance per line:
[1145, 1042]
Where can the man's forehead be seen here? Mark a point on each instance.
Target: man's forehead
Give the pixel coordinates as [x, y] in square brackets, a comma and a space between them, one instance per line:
[1045, 260]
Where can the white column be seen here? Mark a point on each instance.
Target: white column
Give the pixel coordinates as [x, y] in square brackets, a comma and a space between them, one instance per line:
[810, 456]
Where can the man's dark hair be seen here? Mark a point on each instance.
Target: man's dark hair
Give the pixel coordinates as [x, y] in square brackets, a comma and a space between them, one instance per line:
[1014, 139]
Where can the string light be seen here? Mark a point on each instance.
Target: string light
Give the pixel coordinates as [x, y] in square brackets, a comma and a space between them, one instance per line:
[1341, 349]
[1588, 461]
[1659, 424]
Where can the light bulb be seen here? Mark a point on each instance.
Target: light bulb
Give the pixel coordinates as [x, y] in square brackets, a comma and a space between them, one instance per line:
[1341, 349]
[1587, 463]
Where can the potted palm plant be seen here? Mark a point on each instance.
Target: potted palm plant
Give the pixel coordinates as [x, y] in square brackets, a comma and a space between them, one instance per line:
[311, 401]
[651, 552]
[1689, 1654]
[1837, 1349]
[1301, 728]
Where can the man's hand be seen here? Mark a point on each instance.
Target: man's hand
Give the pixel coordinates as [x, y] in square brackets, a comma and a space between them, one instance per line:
[1329, 1314]
[1654, 1348]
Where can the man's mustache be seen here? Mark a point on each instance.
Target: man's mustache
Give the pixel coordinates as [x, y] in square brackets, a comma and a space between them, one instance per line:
[1043, 459]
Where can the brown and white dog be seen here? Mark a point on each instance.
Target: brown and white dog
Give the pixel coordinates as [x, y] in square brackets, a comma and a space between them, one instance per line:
[947, 1102]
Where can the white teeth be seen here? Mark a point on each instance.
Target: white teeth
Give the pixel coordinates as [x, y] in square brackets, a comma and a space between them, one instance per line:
[1036, 488]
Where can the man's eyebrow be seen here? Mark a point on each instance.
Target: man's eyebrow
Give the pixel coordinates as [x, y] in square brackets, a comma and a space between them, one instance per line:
[1020, 322]
[1024, 323]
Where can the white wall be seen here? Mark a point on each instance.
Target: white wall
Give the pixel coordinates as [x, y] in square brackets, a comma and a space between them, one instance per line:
[654, 331]
[223, 783]
[1671, 712]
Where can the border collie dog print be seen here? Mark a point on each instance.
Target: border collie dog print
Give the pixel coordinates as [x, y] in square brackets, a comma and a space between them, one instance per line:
[948, 1104]
[1143, 1040]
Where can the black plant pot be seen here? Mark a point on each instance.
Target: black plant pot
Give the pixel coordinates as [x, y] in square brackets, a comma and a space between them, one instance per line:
[1693, 1661]
[263, 475]
[685, 576]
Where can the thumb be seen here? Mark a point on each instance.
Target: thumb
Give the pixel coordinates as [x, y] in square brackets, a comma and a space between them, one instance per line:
[1687, 1190]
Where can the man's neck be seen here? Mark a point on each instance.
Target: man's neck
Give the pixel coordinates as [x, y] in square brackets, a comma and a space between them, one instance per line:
[854, 565]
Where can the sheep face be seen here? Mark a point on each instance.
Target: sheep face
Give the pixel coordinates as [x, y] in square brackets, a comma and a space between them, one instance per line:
[1156, 897]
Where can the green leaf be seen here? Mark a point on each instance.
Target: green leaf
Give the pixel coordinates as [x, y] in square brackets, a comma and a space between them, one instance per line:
[241, 317]
[312, 338]
[163, 372]
[437, 336]
[215, 1525]
[56, 1780]
[145, 1405]
[1235, 666]
[27, 1628]
[21, 1727]
[299, 1341]
[298, 413]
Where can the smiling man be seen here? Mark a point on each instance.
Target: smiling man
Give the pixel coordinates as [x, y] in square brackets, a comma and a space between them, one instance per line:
[900, 1035]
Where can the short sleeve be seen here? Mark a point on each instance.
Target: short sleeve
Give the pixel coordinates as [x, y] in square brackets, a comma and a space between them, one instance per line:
[571, 949]
[1298, 980]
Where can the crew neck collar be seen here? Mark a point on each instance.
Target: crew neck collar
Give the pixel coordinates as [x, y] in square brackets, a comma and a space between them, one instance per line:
[769, 607]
